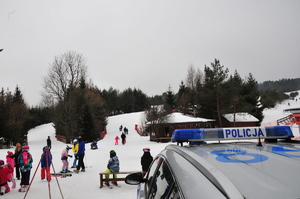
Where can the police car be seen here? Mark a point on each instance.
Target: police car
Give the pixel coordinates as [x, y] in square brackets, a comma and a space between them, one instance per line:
[254, 162]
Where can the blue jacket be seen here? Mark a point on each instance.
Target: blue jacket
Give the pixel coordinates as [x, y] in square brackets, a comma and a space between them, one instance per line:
[46, 162]
[81, 148]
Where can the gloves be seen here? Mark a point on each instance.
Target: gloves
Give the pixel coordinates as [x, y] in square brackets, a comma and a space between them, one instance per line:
[70, 156]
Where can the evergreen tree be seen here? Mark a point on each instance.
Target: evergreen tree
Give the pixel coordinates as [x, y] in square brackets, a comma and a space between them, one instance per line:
[213, 92]
[251, 98]
[169, 103]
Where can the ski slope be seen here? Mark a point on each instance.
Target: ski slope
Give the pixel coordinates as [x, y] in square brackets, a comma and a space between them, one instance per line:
[86, 184]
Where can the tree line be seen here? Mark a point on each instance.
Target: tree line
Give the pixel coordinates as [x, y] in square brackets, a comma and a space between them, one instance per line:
[77, 107]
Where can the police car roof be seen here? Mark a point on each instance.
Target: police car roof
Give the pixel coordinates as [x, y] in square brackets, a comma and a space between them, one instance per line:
[267, 171]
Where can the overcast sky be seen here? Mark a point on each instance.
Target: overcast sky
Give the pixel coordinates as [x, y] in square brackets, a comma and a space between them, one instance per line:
[147, 45]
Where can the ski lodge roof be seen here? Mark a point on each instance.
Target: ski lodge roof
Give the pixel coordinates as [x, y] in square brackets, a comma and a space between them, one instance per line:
[180, 118]
[240, 117]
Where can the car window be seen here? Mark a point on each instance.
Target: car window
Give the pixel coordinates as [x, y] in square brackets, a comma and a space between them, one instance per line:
[161, 184]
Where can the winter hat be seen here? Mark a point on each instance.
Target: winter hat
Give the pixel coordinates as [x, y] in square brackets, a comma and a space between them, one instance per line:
[146, 149]
[1, 162]
[45, 148]
[112, 153]
[26, 147]
[10, 153]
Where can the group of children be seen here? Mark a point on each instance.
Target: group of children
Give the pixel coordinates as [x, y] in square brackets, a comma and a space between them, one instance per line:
[22, 161]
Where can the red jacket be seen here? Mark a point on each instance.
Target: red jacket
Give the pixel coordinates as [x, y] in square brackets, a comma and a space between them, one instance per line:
[3, 174]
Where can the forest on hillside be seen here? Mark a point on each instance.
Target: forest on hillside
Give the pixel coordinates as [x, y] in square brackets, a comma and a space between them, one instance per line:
[282, 85]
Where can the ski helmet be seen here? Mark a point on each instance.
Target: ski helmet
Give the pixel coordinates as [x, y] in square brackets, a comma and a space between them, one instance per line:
[146, 149]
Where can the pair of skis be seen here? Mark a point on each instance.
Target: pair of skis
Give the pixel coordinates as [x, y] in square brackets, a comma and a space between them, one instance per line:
[62, 175]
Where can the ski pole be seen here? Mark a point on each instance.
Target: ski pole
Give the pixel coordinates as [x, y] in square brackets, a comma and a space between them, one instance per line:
[32, 178]
[57, 182]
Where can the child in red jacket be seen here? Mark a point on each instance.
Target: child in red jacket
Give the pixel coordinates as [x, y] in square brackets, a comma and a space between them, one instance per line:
[4, 171]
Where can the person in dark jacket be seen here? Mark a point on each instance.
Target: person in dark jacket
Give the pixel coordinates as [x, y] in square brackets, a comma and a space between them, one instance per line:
[146, 160]
[123, 137]
[46, 161]
[18, 151]
[49, 142]
[25, 161]
[81, 152]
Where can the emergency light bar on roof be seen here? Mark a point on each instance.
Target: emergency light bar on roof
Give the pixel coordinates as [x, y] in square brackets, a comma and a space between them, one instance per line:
[215, 134]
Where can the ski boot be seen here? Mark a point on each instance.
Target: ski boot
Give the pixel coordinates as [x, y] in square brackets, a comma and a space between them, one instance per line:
[23, 188]
[2, 190]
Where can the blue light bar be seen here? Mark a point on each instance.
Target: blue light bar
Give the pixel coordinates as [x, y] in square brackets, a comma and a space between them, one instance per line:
[275, 132]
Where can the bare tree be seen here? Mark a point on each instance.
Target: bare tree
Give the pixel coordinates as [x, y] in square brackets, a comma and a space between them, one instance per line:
[64, 75]
[193, 77]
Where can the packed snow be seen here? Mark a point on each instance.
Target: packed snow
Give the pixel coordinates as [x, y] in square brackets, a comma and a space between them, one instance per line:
[86, 184]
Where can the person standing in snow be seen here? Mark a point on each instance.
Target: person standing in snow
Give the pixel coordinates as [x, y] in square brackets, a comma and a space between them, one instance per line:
[123, 137]
[11, 161]
[81, 153]
[117, 140]
[49, 142]
[146, 160]
[5, 170]
[25, 161]
[18, 151]
[64, 159]
[75, 151]
[113, 166]
[46, 161]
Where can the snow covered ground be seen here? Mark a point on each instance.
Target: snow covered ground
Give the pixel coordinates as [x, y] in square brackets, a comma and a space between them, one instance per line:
[86, 184]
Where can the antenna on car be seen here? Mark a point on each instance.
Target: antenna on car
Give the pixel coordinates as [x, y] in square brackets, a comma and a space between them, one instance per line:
[259, 142]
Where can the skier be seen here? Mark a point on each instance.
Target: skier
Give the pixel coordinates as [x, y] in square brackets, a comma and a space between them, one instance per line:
[18, 151]
[25, 161]
[64, 159]
[125, 130]
[146, 160]
[113, 166]
[49, 142]
[46, 161]
[117, 140]
[94, 145]
[4, 171]
[121, 128]
[75, 151]
[81, 153]
[123, 137]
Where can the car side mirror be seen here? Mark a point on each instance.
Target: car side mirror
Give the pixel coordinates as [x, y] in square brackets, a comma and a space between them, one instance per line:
[134, 178]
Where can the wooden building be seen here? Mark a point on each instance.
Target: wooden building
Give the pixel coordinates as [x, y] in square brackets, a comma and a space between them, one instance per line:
[179, 121]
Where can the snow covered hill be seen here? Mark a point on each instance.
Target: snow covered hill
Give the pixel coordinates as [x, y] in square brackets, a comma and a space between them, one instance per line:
[87, 183]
